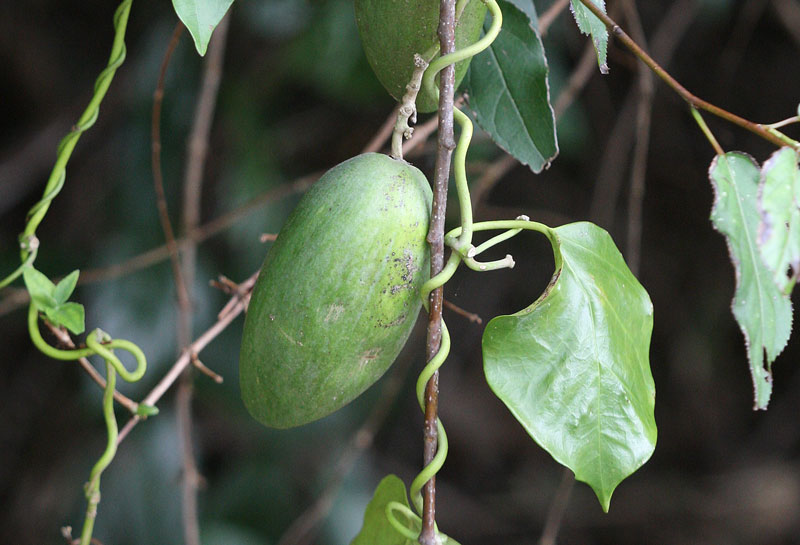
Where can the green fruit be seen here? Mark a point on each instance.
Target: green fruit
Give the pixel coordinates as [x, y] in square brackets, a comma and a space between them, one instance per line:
[392, 31]
[338, 292]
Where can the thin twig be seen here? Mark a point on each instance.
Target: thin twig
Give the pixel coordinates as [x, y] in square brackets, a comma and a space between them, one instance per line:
[376, 142]
[192, 193]
[642, 142]
[558, 507]
[690, 98]
[471, 316]
[550, 15]
[609, 179]
[18, 298]
[239, 304]
[445, 146]
[158, 179]
[587, 67]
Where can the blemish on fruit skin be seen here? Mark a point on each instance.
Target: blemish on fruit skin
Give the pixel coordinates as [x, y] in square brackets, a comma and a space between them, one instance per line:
[334, 313]
[368, 356]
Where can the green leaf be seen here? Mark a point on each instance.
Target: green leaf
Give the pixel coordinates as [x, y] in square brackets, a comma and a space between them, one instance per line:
[70, 315]
[573, 367]
[377, 530]
[509, 94]
[65, 288]
[201, 17]
[527, 7]
[40, 287]
[763, 312]
[779, 206]
[588, 23]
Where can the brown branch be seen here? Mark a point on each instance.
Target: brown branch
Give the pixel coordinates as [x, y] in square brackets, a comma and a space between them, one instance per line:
[199, 136]
[236, 306]
[550, 15]
[445, 145]
[471, 316]
[158, 179]
[376, 142]
[665, 41]
[642, 142]
[690, 98]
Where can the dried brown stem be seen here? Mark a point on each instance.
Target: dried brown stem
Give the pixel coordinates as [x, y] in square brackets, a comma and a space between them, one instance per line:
[557, 509]
[237, 304]
[690, 98]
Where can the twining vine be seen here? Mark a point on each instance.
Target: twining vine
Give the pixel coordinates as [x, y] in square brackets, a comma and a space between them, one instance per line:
[51, 299]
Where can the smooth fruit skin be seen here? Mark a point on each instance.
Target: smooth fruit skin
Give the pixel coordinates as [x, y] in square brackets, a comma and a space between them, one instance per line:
[338, 293]
[392, 31]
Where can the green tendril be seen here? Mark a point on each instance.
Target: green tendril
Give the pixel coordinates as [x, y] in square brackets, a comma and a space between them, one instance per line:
[57, 176]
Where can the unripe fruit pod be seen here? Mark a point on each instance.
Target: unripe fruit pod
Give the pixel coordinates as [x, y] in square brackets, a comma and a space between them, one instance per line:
[392, 31]
[338, 293]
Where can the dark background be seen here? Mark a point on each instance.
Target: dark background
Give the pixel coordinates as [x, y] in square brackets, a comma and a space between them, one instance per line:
[297, 96]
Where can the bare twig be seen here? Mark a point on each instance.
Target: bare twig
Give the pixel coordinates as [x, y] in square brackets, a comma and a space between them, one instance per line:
[376, 142]
[642, 143]
[239, 303]
[192, 193]
[158, 179]
[445, 146]
[550, 15]
[557, 509]
[684, 93]
[665, 41]
[471, 316]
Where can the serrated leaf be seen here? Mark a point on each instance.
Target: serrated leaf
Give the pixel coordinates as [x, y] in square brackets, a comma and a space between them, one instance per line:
[764, 314]
[69, 315]
[201, 17]
[509, 94]
[589, 24]
[40, 288]
[64, 289]
[573, 367]
[779, 206]
[377, 530]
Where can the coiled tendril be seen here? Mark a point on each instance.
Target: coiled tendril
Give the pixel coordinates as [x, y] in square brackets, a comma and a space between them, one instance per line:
[462, 250]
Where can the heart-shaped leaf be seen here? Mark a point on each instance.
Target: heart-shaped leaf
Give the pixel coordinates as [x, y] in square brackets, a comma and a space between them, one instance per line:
[763, 312]
[573, 367]
[779, 205]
